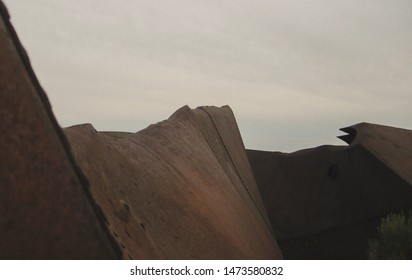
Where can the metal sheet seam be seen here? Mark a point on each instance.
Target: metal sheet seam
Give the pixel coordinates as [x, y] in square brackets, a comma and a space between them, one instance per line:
[237, 171]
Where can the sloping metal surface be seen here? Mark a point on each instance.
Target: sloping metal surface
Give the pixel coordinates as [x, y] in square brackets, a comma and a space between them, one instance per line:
[46, 211]
[180, 189]
[328, 190]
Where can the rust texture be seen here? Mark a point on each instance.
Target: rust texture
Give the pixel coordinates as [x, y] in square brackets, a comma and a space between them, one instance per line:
[45, 209]
[180, 189]
[325, 200]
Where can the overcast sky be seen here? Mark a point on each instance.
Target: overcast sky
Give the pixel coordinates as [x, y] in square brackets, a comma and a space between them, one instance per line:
[293, 72]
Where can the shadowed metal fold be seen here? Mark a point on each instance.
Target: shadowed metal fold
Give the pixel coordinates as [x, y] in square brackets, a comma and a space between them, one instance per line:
[325, 202]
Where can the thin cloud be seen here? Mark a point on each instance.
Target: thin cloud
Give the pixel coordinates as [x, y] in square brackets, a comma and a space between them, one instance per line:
[292, 71]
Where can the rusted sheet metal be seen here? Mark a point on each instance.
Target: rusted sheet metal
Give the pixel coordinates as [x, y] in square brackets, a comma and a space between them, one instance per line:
[180, 189]
[329, 192]
[46, 211]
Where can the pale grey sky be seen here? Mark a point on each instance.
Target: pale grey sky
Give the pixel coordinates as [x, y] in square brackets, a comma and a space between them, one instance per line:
[293, 72]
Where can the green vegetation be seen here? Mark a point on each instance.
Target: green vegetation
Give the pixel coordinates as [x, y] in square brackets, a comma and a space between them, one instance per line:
[394, 240]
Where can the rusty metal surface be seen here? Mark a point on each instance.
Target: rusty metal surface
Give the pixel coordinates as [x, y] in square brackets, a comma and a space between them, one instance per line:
[45, 209]
[332, 191]
[180, 189]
